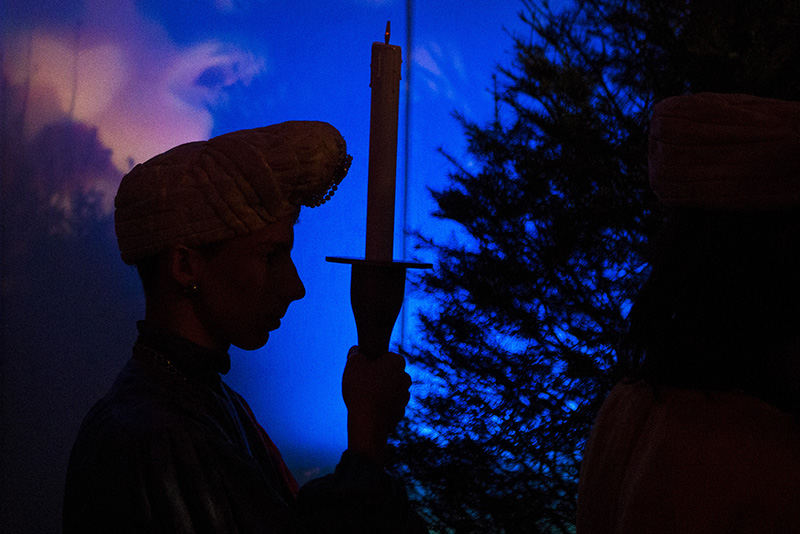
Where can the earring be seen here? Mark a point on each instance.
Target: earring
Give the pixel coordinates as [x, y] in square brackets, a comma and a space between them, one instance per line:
[191, 290]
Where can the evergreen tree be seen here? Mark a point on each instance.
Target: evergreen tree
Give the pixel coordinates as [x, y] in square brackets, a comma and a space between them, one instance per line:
[556, 220]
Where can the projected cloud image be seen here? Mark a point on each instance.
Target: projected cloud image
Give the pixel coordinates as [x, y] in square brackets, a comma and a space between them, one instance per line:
[119, 73]
[90, 88]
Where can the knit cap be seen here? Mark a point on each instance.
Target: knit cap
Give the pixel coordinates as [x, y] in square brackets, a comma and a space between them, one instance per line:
[231, 185]
[725, 151]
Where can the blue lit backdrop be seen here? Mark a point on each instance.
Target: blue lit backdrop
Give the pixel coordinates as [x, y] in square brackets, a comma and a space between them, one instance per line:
[151, 74]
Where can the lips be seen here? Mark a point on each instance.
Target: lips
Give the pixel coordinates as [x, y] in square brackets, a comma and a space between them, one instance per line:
[274, 322]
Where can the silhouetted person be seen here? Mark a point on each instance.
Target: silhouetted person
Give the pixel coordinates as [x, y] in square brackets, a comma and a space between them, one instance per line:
[172, 448]
[703, 436]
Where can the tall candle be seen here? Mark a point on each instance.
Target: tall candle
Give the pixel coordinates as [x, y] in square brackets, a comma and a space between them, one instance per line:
[385, 84]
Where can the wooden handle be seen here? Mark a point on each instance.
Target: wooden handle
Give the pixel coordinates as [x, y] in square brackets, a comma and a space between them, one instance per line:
[376, 295]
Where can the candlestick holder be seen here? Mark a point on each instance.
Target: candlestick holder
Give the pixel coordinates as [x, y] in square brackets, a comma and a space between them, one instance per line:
[377, 290]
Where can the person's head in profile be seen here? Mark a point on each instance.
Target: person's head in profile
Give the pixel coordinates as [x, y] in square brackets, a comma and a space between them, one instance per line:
[209, 226]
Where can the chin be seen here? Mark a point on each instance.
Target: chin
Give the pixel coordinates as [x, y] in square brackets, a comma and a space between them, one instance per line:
[253, 344]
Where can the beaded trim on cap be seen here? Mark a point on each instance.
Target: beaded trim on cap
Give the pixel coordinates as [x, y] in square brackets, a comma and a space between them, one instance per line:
[336, 179]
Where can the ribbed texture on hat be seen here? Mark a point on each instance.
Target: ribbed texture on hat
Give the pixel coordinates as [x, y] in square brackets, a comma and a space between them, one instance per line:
[725, 151]
[230, 185]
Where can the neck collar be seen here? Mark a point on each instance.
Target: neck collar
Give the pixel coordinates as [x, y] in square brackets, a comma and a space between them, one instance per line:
[180, 354]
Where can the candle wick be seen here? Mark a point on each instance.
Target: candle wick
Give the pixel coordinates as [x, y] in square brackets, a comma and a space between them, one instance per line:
[388, 32]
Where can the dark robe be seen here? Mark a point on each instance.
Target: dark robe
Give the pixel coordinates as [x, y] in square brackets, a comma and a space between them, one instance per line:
[673, 460]
[172, 448]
